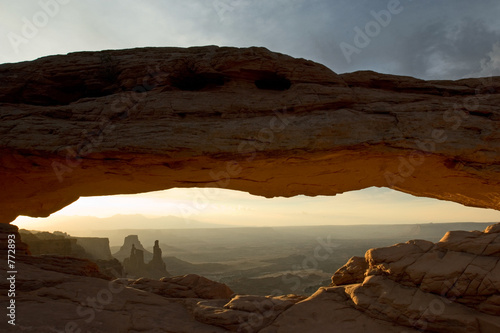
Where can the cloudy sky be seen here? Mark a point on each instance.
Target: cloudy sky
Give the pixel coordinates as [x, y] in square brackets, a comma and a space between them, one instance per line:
[429, 39]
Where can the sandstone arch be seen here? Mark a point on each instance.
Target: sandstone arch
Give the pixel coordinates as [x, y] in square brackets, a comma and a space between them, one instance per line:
[130, 121]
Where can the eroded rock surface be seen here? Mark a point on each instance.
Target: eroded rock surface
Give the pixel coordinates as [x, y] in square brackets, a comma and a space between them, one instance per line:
[244, 313]
[131, 121]
[51, 301]
[187, 286]
[450, 286]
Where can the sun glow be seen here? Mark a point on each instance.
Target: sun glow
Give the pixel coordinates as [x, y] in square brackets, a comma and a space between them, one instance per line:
[234, 208]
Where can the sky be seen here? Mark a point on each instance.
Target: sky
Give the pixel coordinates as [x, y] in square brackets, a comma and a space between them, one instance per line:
[428, 39]
[234, 208]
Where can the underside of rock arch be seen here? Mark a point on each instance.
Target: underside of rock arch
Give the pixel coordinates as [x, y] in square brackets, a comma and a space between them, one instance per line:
[138, 120]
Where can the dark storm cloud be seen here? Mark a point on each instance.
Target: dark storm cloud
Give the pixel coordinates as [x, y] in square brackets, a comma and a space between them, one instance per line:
[448, 49]
[426, 39]
[422, 38]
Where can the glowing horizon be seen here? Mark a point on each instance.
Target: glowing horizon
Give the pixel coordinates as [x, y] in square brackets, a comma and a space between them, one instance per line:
[234, 208]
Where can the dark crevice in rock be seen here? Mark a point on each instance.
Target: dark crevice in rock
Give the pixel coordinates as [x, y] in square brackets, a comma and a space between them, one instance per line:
[484, 114]
[273, 81]
[62, 90]
[191, 81]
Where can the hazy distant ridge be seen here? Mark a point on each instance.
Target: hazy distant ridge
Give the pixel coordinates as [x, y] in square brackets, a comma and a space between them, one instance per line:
[74, 223]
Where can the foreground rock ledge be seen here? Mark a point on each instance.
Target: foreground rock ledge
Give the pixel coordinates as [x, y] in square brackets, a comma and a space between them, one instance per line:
[137, 120]
[452, 286]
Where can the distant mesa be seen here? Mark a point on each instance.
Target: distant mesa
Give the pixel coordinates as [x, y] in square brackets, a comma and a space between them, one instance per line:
[135, 266]
[132, 254]
[43, 243]
[129, 241]
[61, 243]
[97, 247]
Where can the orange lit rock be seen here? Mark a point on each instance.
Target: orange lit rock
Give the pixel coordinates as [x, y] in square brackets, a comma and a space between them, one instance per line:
[138, 120]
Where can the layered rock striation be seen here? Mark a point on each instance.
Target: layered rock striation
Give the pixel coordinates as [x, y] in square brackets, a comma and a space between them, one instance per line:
[449, 286]
[138, 120]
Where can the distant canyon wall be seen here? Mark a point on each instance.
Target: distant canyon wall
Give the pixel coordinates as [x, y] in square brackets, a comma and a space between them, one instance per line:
[97, 247]
[42, 243]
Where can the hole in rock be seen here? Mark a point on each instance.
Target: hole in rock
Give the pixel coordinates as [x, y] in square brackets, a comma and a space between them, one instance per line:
[273, 82]
[252, 244]
[195, 81]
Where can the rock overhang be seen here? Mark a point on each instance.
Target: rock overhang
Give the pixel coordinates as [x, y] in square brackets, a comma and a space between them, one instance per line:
[138, 120]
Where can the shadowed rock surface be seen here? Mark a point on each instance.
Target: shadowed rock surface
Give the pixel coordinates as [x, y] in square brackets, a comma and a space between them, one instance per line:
[138, 120]
[187, 286]
[11, 232]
